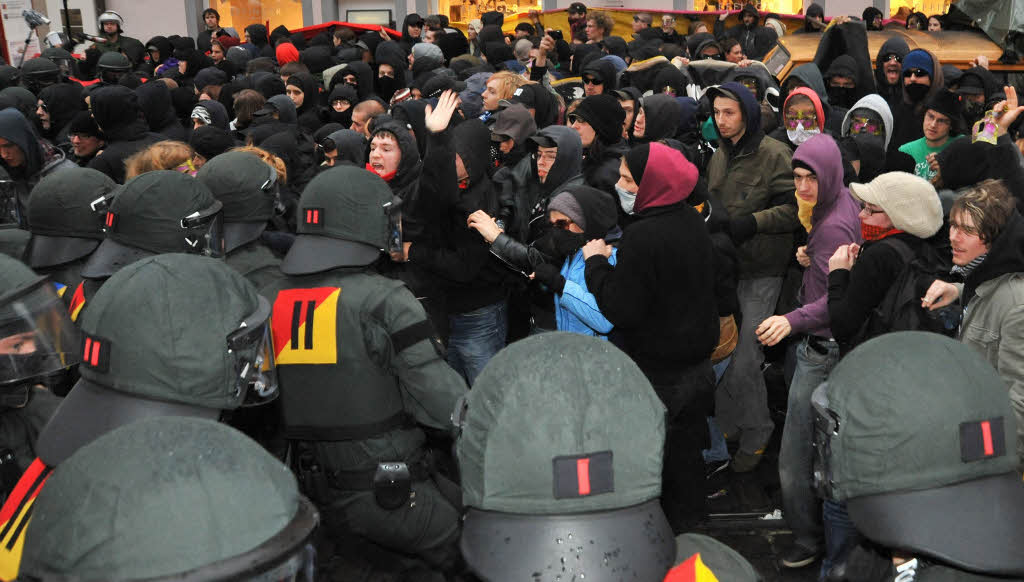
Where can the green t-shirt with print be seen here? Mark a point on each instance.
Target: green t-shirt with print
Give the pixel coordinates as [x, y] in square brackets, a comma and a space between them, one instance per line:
[919, 150]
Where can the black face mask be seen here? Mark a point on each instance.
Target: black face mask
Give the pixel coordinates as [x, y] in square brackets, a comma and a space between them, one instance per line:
[916, 91]
[558, 244]
[386, 87]
[342, 117]
[841, 97]
[973, 112]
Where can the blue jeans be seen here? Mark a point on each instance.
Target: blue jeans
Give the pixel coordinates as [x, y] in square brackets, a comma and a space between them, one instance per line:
[841, 535]
[741, 404]
[718, 451]
[474, 337]
[800, 503]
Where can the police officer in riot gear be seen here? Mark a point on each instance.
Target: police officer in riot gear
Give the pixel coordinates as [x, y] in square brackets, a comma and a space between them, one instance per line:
[66, 223]
[111, 67]
[247, 187]
[39, 73]
[914, 432]
[198, 501]
[36, 339]
[361, 372]
[154, 213]
[171, 335]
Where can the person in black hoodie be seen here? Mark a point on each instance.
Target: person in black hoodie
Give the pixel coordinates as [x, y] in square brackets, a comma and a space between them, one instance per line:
[256, 41]
[26, 159]
[209, 112]
[340, 102]
[392, 68]
[598, 77]
[922, 80]
[814, 19]
[118, 115]
[60, 103]
[757, 40]
[159, 49]
[598, 120]
[157, 107]
[276, 116]
[660, 295]
[656, 119]
[412, 29]
[304, 91]
[456, 170]
[889, 69]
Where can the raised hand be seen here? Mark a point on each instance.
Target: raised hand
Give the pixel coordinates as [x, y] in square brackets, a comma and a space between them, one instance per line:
[437, 119]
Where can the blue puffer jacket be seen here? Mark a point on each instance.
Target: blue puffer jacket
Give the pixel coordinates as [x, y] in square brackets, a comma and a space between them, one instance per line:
[576, 308]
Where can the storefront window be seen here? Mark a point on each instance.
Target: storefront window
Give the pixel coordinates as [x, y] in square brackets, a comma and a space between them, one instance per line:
[241, 13]
[465, 10]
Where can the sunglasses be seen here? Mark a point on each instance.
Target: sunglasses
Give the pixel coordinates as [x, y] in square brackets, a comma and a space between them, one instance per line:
[562, 224]
[919, 73]
[417, 24]
[865, 125]
[891, 58]
[592, 81]
[715, 57]
[572, 118]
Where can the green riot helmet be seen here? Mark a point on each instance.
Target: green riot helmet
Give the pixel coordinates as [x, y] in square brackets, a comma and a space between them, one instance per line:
[36, 336]
[202, 347]
[176, 498]
[39, 73]
[112, 66]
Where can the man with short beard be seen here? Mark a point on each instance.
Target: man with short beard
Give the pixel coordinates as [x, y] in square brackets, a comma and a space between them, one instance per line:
[888, 66]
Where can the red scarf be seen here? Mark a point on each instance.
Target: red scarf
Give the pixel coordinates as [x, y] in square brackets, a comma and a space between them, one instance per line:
[386, 177]
[868, 232]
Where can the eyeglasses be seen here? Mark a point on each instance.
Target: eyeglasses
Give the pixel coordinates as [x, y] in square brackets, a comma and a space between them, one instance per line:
[716, 57]
[549, 157]
[867, 125]
[592, 81]
[809, 120]
[417, 24]
[871, 211]
[919, 73]
[573, 118]
[562, 224]
[42, 105]
[891, 58]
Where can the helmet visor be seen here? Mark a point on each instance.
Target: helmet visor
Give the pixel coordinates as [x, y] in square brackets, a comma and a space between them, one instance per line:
[36, 335]
[253, 352]
[204, 231]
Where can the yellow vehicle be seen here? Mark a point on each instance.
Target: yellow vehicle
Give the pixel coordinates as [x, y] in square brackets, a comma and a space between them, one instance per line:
[958, 48]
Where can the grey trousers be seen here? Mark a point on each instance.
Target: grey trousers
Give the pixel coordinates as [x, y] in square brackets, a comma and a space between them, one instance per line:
[741, 401]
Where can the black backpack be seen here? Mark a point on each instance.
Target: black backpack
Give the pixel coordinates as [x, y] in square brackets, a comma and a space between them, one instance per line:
[900, 309]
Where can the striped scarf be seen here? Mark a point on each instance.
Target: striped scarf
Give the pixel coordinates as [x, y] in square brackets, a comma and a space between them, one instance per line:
[965, 270]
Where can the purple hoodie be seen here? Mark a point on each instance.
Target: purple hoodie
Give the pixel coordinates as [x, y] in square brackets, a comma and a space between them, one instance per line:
[835, 221]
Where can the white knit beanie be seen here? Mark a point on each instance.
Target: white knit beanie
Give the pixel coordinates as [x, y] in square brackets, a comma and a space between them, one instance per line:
[910, 201]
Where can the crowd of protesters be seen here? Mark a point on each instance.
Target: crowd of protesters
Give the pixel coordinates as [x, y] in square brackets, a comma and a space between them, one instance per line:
[662, 192]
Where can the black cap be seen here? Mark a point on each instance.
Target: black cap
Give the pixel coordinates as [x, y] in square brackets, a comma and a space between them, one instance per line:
[577, 8]
[210, 76]
[210, 141]
[946, 103]
[971, 85]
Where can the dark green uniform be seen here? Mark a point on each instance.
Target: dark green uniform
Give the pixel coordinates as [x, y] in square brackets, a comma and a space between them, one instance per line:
[360, 369]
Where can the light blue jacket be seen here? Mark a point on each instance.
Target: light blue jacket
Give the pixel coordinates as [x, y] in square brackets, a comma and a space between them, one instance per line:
[576, 308]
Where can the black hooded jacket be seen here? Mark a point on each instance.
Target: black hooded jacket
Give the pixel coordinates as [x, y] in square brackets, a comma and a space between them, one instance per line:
[810, 74]
[317, 59]
[40, 158]
[756, 40]
[364, 78]
[158, 109]
[408, 41]
[414, 113]
[603, 70]
[891, 93]
[63, 101]
[416, 218]
[309, 116]
[348, 93]
[457, 256]
[351, 147]
[661, 118]
[258, 37]
[117, 113]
